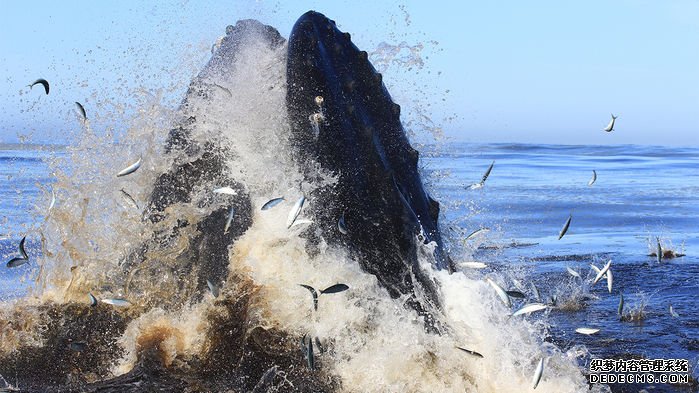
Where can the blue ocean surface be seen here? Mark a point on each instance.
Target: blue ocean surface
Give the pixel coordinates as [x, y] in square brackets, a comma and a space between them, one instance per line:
[642, 193]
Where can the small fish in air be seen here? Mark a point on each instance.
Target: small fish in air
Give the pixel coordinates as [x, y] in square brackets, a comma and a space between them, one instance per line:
[470, 352]
[610, 126]
[594, 178]
[130, 169]
[565, 227]
[81, 110]
[295, 211]
[530, 308]
[42, 82]
[485, 177]
[586, 331]
[22, 259]
[538, 373]
[272, 203]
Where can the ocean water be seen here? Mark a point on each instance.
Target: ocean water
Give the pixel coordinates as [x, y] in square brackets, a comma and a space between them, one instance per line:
[642, 193]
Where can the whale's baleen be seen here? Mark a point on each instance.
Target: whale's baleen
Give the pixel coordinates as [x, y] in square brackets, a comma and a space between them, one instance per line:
[470, 352]
[538, 373]
[610, 126]
[593, 179]
[334, 288]
[130, 169]
[501, 292]
[565, 227]
[295, 211]
[586, 331]
[42, 82]
[602, 272]
[272, 203]
[313, 293]
[81, 110]
[530, 308]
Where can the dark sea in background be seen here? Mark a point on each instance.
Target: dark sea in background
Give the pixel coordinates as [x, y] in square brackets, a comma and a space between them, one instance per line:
[641, 192]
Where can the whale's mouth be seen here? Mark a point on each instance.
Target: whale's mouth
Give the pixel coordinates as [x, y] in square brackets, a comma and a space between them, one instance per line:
[163, 255]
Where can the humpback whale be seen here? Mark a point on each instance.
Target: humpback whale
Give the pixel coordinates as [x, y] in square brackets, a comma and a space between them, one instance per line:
[342, 121]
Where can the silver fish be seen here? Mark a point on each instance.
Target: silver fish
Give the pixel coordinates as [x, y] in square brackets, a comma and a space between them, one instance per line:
[659, 251]
[515, 294]
[21, 249]
[602, 272]
[673, 313]
[17, 261]
[93, 299]
[231, 214]
[341, 224]
[485, 177]
[226, 191]
[130, 169]
[272, 203]
[530, 308]
[477, 232]
[129, 199]
[536, 292]
[81, 109]
[620, 308]
[310, 358]
[610, 126]
[594, 178]
[53, 200]
[610, 280]
[501, 292]
[117, 302]
[538, 373]
[565, 227]
[43, 82]
[301, 221]
[473, 265]
[314, 294]
[319, 346]
[470, 352]
[213, 288]
[334, 289]
[586, 331]
[573, 272]
[295, 211]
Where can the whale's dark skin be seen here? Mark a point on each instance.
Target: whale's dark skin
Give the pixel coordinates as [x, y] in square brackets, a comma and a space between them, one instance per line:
[361, 141]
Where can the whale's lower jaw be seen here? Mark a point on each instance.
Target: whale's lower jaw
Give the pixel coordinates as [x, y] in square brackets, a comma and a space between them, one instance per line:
[356, 134]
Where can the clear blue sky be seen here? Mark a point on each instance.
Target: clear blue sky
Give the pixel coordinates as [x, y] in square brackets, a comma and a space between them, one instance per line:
[539, 71]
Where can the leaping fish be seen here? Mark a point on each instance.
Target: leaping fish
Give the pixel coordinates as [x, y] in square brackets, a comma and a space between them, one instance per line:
[476, 233]
[226, 191]
[231, 214]
[21, 249]
[594, 178]
[485, 177]
[610, 280]
[93, 299]
[313, 293]
[334, 289]
[620, 308]
[586, 331]
[530, 308]
[470, 352]
[565, 227]
[295, 211]
[572, 272]
[473, 265]
[130, 169]
[43, 82]
[341, 226]
[610, 126]
[602, 272]
[117, 302]
[501, 292]
[659, 251]
[81, 110]
[213, 288]
[538, 373]
[272, 203]
[673, 313]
